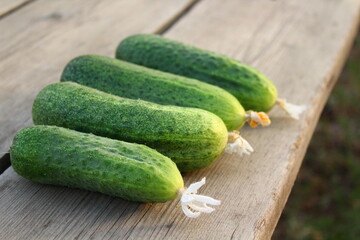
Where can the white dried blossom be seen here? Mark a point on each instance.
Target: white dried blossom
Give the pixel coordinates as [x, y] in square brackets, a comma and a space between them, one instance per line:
[292, 110]
[237, 144]
[194, 204]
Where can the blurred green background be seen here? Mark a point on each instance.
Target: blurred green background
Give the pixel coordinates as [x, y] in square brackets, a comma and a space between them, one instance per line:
[325, 200]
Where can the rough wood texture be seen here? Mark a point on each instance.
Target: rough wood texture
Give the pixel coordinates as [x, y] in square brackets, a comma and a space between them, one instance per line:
[43, 36]
[6, 6]
[301, 45]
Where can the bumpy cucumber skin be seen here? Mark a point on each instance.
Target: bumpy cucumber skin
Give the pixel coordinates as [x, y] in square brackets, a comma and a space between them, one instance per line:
[136, 82]
[249, 86]
[59, 156]
[192, 138]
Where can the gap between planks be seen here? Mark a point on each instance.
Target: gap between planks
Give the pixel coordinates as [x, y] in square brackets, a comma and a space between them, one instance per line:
[7, 7]
[162, 30]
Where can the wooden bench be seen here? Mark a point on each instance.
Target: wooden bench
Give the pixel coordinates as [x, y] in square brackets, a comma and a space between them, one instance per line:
[300, 45]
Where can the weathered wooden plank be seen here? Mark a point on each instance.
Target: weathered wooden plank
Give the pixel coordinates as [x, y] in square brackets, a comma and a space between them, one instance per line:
[7, 6]
[301, 45]
[42, 37]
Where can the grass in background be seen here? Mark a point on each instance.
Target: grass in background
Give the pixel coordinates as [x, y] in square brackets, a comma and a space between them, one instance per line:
[325, 200]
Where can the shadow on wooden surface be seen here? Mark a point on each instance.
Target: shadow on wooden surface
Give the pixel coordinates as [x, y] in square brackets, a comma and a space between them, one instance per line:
[4, 162]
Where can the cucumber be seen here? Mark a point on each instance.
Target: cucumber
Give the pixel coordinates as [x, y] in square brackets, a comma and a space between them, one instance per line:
[192, 138]
[133, 81]
[59, 156]
[252, 88]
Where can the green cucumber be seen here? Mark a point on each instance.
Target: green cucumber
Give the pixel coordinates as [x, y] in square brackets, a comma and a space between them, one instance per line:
[252, 88]
[192, 138]
[63, 157]
[136, 82]
[59, 156]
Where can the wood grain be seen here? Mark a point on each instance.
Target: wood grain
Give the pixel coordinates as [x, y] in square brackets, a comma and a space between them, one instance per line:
[7, 6]
[301, 45]
[43, 36]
